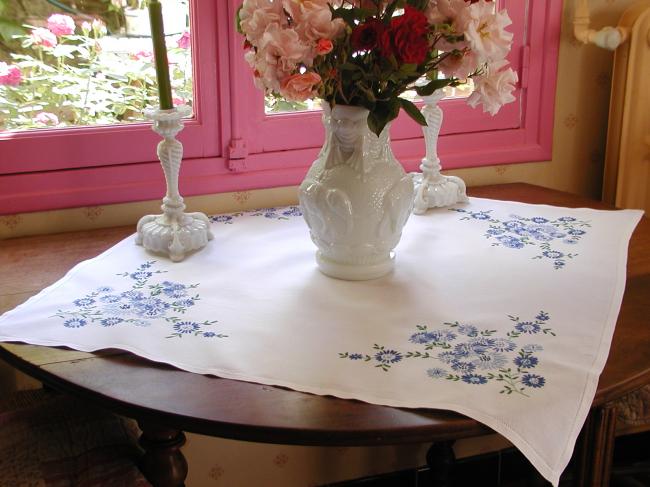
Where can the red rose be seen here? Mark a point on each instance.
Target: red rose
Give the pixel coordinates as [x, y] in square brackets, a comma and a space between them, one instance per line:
[408, 37]
[366, 36]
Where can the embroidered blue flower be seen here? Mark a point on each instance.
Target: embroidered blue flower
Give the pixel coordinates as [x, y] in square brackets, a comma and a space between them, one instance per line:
[137, 306]
[528, 327]
[518, 232]
[186, 327]
[542, 316]
[151, 307]
[494, 361]
[510, 242]
[174, 289]
[477, 359]
[133, 295]
[221, 218]
[553, 254]
[110, 298]
[423, 337]
[388, 356]
[503, 345]
[525, 362]
[533, 380]
[474, 379]
[465, 367]
[112, 321]
[75, 323]
[469, 330]
[479, 215]
[141, 275]
[292, 211]
[437, 373]
[447, 357]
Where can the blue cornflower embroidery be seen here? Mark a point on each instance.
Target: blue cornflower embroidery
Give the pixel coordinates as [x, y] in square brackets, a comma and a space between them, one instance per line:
[533, 380]
[464, 367]
[437, 373]
[503, 345]
[528, 327]
[75, 323]
[474, 379]
[518, 232]
[468, 330]
[511, 242]
[186, 327]
[526, 362]
[138, 306]
[141, 275]
[471, 355]
[388, 356]
[112, 321]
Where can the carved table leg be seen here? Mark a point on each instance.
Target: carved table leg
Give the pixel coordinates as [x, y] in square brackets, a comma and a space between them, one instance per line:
[440, 459]
[596, 448]
[163, 463]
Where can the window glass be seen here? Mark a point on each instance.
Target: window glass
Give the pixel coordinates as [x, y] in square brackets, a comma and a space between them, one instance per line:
[86, 62]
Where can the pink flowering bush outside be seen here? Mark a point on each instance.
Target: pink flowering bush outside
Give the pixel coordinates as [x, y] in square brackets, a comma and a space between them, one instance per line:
[368, 53]
[66, 78]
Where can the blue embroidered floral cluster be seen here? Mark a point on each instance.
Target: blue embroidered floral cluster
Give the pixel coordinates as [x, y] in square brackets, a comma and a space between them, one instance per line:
[516, 232]
[467, 354]
[143, 302]
[282, 213]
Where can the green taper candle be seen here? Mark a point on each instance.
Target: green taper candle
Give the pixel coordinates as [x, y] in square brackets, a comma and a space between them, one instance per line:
[160, 55]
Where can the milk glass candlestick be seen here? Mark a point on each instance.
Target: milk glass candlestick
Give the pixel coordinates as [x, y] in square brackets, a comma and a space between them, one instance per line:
[174, 233]
[432, 189]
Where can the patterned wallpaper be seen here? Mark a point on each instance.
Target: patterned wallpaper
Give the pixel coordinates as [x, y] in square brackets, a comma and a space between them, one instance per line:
[577, 164]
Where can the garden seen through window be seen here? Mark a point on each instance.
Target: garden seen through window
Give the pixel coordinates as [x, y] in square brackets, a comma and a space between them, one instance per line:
[66, 63]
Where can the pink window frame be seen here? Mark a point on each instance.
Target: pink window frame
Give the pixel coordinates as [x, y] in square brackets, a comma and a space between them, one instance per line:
[230, 145]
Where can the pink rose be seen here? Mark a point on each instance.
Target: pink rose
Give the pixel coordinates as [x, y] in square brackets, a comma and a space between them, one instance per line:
[324, 46]
[256, 15]
[300, 87]
[178, 101]
[141, 55]
[459, 64]
[10, 75]
[60, 25]
[485, 31]
[184, 41]
[494, 89]
[43, 37]
[46, 118]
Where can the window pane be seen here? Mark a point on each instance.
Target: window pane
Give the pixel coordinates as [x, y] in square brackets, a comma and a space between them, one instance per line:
[90, 64]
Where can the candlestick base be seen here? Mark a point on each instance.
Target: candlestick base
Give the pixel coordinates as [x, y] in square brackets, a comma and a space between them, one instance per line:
[173, 233]
[432, 189]
[437, 191]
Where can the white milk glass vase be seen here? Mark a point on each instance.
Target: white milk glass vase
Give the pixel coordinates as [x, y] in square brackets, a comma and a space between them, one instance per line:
[356, 198]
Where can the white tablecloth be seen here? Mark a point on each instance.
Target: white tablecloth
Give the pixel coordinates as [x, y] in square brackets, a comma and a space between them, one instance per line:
[498, 310]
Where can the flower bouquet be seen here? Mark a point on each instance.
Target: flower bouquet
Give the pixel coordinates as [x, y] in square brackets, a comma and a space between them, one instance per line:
[367, 53]
[360, 57]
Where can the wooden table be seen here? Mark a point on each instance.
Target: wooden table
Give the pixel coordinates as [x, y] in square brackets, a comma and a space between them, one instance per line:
[167, 401]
